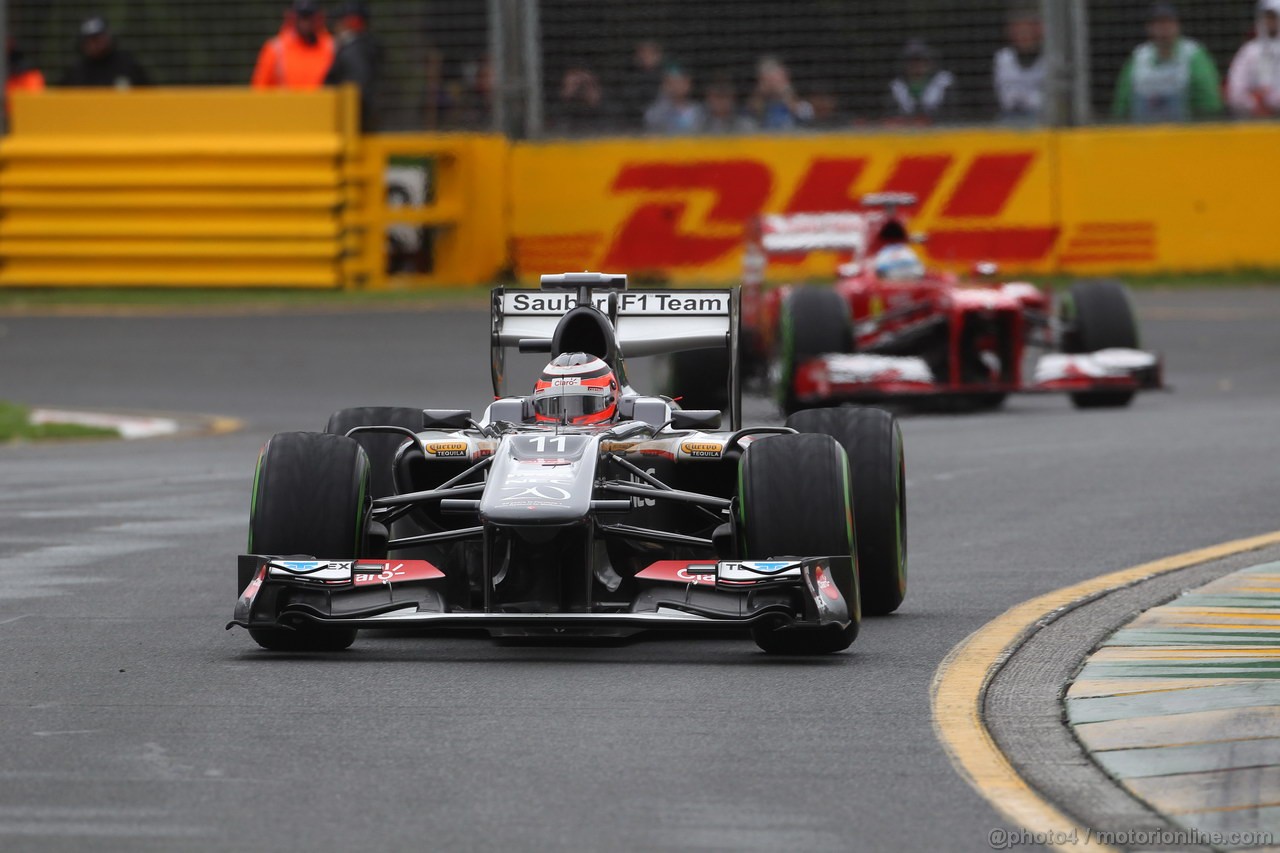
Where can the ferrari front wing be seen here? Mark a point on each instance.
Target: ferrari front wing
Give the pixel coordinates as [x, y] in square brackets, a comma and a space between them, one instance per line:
[839, 377]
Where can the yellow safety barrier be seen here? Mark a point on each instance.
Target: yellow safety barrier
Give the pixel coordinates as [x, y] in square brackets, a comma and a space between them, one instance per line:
[212, 187]
[236, 187]
[174, 187]
[458, 227]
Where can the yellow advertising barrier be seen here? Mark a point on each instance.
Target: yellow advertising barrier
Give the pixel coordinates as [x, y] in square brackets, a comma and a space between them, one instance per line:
[235, 187]
[174, 187]
[1169, 199]
[678, 207]
[1074, 201]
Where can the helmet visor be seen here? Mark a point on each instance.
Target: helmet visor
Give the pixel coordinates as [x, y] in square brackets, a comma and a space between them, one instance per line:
[565, 406]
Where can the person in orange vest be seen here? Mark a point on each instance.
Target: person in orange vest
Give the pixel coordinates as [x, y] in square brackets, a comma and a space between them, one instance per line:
[300, 56]
[22, 76]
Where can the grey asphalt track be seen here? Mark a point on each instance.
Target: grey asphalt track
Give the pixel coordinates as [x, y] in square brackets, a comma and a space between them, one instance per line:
[130, 719]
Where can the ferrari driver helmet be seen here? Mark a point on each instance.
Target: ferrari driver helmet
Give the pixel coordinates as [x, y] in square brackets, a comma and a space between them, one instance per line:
[899, 263]
[576, 388]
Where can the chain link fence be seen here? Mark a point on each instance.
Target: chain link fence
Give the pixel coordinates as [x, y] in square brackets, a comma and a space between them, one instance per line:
[1116, 29]
[435, 71]
[587, 67]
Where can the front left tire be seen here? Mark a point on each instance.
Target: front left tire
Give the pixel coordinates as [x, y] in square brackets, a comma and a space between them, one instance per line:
[310, 498]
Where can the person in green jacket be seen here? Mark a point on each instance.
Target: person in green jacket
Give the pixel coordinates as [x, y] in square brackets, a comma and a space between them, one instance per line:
[1169, 78]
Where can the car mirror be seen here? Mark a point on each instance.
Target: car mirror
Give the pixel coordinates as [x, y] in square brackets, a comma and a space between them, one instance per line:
[446, 418]
[986, 269]
[696, 419]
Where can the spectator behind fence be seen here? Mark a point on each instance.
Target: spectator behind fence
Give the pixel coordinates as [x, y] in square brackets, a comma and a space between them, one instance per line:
[1253, 83]
[826, 108]
[23, 75]
[101, 61]
[1019, 72]
[357, 59]
[582, 107]
[299, 56]
[922, 93]
[775, 105]
[473, 95]
[642, 82]
[720, 109]
[1169, 78]
[675, 111]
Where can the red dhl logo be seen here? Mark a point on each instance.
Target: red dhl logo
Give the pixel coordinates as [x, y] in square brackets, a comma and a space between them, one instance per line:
[660, 233]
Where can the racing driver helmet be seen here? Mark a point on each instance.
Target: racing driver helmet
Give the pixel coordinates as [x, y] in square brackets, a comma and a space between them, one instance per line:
[899, 263]
[576, 388]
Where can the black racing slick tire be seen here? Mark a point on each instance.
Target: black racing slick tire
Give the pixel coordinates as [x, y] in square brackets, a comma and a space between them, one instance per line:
[310, 497]
[872, 440]
[1098, 315]
[794, 501]
[699, 379]
[380, 447]
[814, 321]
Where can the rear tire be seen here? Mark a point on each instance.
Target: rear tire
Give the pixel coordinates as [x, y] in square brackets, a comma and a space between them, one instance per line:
[310, 497]
[872, 440]
[1099, 316]
[814, 321]
[794, 501]
[380, 447]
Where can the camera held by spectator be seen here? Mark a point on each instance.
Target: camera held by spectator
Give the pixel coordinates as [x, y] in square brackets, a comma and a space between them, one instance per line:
[775, 104]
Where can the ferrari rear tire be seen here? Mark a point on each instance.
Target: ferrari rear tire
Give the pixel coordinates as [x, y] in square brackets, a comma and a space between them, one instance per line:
[794, 501]
[872, 440]
[1099, 315]
[699, 379]
[814, 321]
[310, 498]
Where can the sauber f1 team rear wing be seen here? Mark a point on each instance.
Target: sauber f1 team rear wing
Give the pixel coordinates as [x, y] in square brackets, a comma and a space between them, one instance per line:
[620, 323]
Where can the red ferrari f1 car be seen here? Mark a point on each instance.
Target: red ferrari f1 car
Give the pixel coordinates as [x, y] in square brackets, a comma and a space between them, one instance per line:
[891, 329]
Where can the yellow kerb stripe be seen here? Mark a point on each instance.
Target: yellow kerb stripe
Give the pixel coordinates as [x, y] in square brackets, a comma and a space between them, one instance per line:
[961, 680]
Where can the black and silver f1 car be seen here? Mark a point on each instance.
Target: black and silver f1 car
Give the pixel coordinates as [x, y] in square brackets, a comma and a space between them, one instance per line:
[527, 524]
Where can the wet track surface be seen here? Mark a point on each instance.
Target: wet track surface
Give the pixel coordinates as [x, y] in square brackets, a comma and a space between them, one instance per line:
[131, 718]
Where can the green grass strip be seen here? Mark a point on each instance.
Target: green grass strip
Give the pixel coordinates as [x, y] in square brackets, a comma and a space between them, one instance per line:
[15, 425]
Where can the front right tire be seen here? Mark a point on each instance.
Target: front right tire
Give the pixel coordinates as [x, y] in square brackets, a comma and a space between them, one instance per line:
[794, 501]
[872, 440]
[1099, 315]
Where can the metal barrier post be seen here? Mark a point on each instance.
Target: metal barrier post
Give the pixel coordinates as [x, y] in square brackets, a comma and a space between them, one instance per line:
[531, 45]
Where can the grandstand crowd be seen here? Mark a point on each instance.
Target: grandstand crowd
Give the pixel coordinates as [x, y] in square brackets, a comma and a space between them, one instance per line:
[1168, 77]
